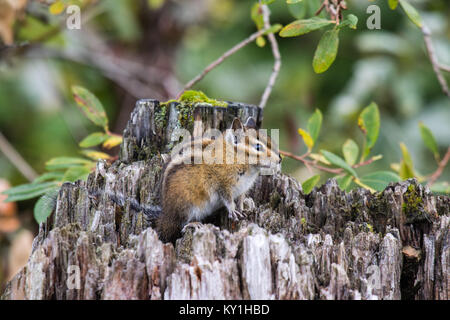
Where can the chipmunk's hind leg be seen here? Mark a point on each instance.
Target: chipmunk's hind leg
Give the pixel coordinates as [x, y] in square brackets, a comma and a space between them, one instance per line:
[233, 213]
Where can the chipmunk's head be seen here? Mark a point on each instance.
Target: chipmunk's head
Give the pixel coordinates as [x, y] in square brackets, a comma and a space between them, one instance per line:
[255, 145]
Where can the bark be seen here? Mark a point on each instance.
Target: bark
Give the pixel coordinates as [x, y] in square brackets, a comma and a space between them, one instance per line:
[328, 244]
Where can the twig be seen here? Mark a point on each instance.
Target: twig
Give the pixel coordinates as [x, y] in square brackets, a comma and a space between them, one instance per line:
[309, 163]
[444, 68]
[321, 8]
[221, 59]
[276, 56]
[433, 59]
[367, 162]
[16, 159]
[334, 8]
[440, 168]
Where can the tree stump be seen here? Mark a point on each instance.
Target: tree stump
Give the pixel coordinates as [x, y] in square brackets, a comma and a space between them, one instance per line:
[328, 244]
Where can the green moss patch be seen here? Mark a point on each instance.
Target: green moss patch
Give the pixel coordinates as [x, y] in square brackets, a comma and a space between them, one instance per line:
[413, 206]
[187, 103]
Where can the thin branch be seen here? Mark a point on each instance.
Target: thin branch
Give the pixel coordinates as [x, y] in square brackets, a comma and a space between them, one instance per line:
[16, 159]
[367, 162]
[334, 8]
[276, 56]
[440, 168]
[309, 163]
[221, 59]
[321, 8]
[434, 60]
[444, 68]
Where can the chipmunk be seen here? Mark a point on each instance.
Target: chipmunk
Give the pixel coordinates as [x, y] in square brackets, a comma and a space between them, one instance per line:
[191, 192]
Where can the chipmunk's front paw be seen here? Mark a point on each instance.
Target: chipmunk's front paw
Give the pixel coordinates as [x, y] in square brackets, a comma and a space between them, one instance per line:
[235, 215]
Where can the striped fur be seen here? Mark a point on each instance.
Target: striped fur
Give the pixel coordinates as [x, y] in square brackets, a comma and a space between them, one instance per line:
[191, 191]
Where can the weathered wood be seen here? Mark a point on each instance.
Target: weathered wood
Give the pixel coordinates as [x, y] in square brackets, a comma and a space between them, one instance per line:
[325, 245]
[152, 125]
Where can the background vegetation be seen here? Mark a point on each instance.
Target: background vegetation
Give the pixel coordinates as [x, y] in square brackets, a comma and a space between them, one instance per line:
[127, 50]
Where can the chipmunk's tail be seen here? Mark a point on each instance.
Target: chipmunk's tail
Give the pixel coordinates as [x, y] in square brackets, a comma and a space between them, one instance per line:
[151, 212]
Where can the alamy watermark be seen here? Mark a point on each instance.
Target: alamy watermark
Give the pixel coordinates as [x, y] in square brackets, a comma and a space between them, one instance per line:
[73, 277]
[73, 20]
[374, 20]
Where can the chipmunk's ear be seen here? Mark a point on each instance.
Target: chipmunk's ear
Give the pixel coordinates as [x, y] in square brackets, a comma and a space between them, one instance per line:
[232, 134]
[237, 124]
[250, 124]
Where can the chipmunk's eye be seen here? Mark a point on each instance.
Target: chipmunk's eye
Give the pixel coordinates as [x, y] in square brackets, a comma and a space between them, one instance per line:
[258, 147]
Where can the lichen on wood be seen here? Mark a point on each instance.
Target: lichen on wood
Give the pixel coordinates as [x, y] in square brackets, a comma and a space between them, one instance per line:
[328, 244]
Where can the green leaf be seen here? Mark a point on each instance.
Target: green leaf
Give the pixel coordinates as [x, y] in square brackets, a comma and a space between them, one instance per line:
[301, 27]
[257, 16]
[369, 123]
[260, 41]
[76, 173]
[28, 188]
[298, 10]
[267, 1]
[380, 179]
[406, 156]
[49, 176]
[45, 205]
[344, 182]
[326, 51]
[306, 138]
[393, 4]
[405, 171]
[350, 21]
[96, 155]
[273, 29]
[293, 1]
[112, 141]
[441, 187]
[29, 191]
[350, 150]
[428, 139]
[65, 162]
[33, 29]
[94, 139]
[309, 184]
[412, 13]
[314, 125]
[339, 162]
[406, 165]
[91, 106]
[320, 158]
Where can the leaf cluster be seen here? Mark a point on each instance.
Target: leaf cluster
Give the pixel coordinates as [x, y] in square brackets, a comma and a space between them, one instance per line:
[69, 169]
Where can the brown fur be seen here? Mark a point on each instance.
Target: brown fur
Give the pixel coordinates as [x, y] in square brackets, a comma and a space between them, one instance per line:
[188, 186]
